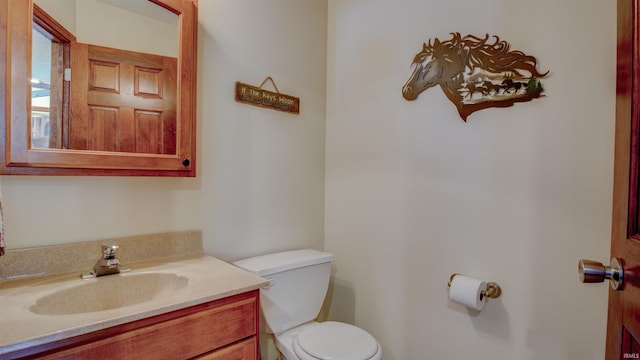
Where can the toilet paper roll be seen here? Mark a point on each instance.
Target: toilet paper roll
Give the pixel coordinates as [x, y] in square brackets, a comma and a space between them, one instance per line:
[468, 292]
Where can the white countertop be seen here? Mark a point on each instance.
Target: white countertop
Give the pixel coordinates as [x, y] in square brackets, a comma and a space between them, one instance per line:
[208, 279]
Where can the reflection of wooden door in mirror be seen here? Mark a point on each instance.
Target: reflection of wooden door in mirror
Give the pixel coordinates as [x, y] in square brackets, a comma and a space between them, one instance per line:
[122, 101]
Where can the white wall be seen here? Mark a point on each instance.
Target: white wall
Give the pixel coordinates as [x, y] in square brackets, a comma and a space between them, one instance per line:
[260, 181]
[516, 195]
[262, 170]
[98, 23]
[64, 11]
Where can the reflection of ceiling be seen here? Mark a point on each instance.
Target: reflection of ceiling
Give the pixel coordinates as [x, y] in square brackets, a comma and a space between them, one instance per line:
[146, 8]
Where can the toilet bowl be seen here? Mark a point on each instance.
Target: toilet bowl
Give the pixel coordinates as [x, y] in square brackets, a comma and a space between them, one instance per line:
[298, 282]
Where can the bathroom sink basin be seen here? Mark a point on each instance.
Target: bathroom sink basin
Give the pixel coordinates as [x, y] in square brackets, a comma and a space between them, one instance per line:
[109, 292]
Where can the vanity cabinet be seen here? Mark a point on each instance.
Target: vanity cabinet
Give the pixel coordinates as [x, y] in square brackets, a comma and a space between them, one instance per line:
[224, 329]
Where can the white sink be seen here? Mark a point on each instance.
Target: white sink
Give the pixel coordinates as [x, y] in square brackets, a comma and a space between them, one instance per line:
[108, 292]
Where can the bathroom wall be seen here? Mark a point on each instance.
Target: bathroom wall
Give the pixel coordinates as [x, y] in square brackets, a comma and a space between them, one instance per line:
[260, 181]
[515, 195]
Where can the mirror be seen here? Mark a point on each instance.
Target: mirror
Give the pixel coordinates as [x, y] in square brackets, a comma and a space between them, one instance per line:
[110, 87]
[131, 78]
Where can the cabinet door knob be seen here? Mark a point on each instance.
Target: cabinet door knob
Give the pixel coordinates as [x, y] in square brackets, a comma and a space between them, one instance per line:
[186, 162]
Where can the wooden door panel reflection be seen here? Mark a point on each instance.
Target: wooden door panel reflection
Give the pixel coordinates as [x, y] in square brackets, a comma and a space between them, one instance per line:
[142, 87]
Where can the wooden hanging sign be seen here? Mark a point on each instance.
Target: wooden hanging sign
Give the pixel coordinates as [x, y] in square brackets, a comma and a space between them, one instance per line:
[256, 95]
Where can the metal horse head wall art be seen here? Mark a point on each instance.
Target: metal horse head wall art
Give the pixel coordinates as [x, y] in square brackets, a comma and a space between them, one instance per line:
[475, 73]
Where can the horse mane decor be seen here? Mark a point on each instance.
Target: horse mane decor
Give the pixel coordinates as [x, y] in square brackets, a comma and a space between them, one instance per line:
[475, 73]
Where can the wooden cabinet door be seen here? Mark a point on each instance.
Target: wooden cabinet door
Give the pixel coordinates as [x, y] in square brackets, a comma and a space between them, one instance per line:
[244, 350]
[122, 101]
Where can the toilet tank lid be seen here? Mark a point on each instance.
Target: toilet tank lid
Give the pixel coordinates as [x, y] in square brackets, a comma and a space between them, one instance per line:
[283, 261]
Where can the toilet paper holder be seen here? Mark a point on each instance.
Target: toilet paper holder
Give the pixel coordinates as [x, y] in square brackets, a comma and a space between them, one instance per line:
[493, 290]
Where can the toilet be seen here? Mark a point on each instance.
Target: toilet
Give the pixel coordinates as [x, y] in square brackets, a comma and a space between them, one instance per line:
[298, 283]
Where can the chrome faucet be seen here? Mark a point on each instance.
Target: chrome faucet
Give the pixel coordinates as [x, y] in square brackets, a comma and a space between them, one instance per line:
[107, 264]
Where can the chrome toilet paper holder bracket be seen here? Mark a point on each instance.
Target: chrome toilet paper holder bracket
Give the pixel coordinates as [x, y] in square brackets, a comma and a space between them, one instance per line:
[493, 290]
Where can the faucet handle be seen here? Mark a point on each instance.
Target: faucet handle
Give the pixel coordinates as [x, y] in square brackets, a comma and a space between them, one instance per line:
[109, 250]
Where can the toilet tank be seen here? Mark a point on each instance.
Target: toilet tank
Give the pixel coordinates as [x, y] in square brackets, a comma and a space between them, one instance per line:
[298, 282]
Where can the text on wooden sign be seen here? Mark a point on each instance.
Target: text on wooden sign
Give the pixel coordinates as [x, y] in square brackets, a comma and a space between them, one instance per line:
[254, 95]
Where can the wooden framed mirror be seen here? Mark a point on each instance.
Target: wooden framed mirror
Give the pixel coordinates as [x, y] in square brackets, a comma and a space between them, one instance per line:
[97, 133]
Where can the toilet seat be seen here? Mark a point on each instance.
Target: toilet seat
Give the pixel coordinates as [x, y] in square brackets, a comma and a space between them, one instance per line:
[332, 340]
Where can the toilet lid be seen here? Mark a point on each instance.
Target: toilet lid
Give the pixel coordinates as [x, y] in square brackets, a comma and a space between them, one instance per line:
[332, 340]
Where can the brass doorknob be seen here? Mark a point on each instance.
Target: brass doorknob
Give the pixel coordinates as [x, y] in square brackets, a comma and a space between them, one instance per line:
[593, 272]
